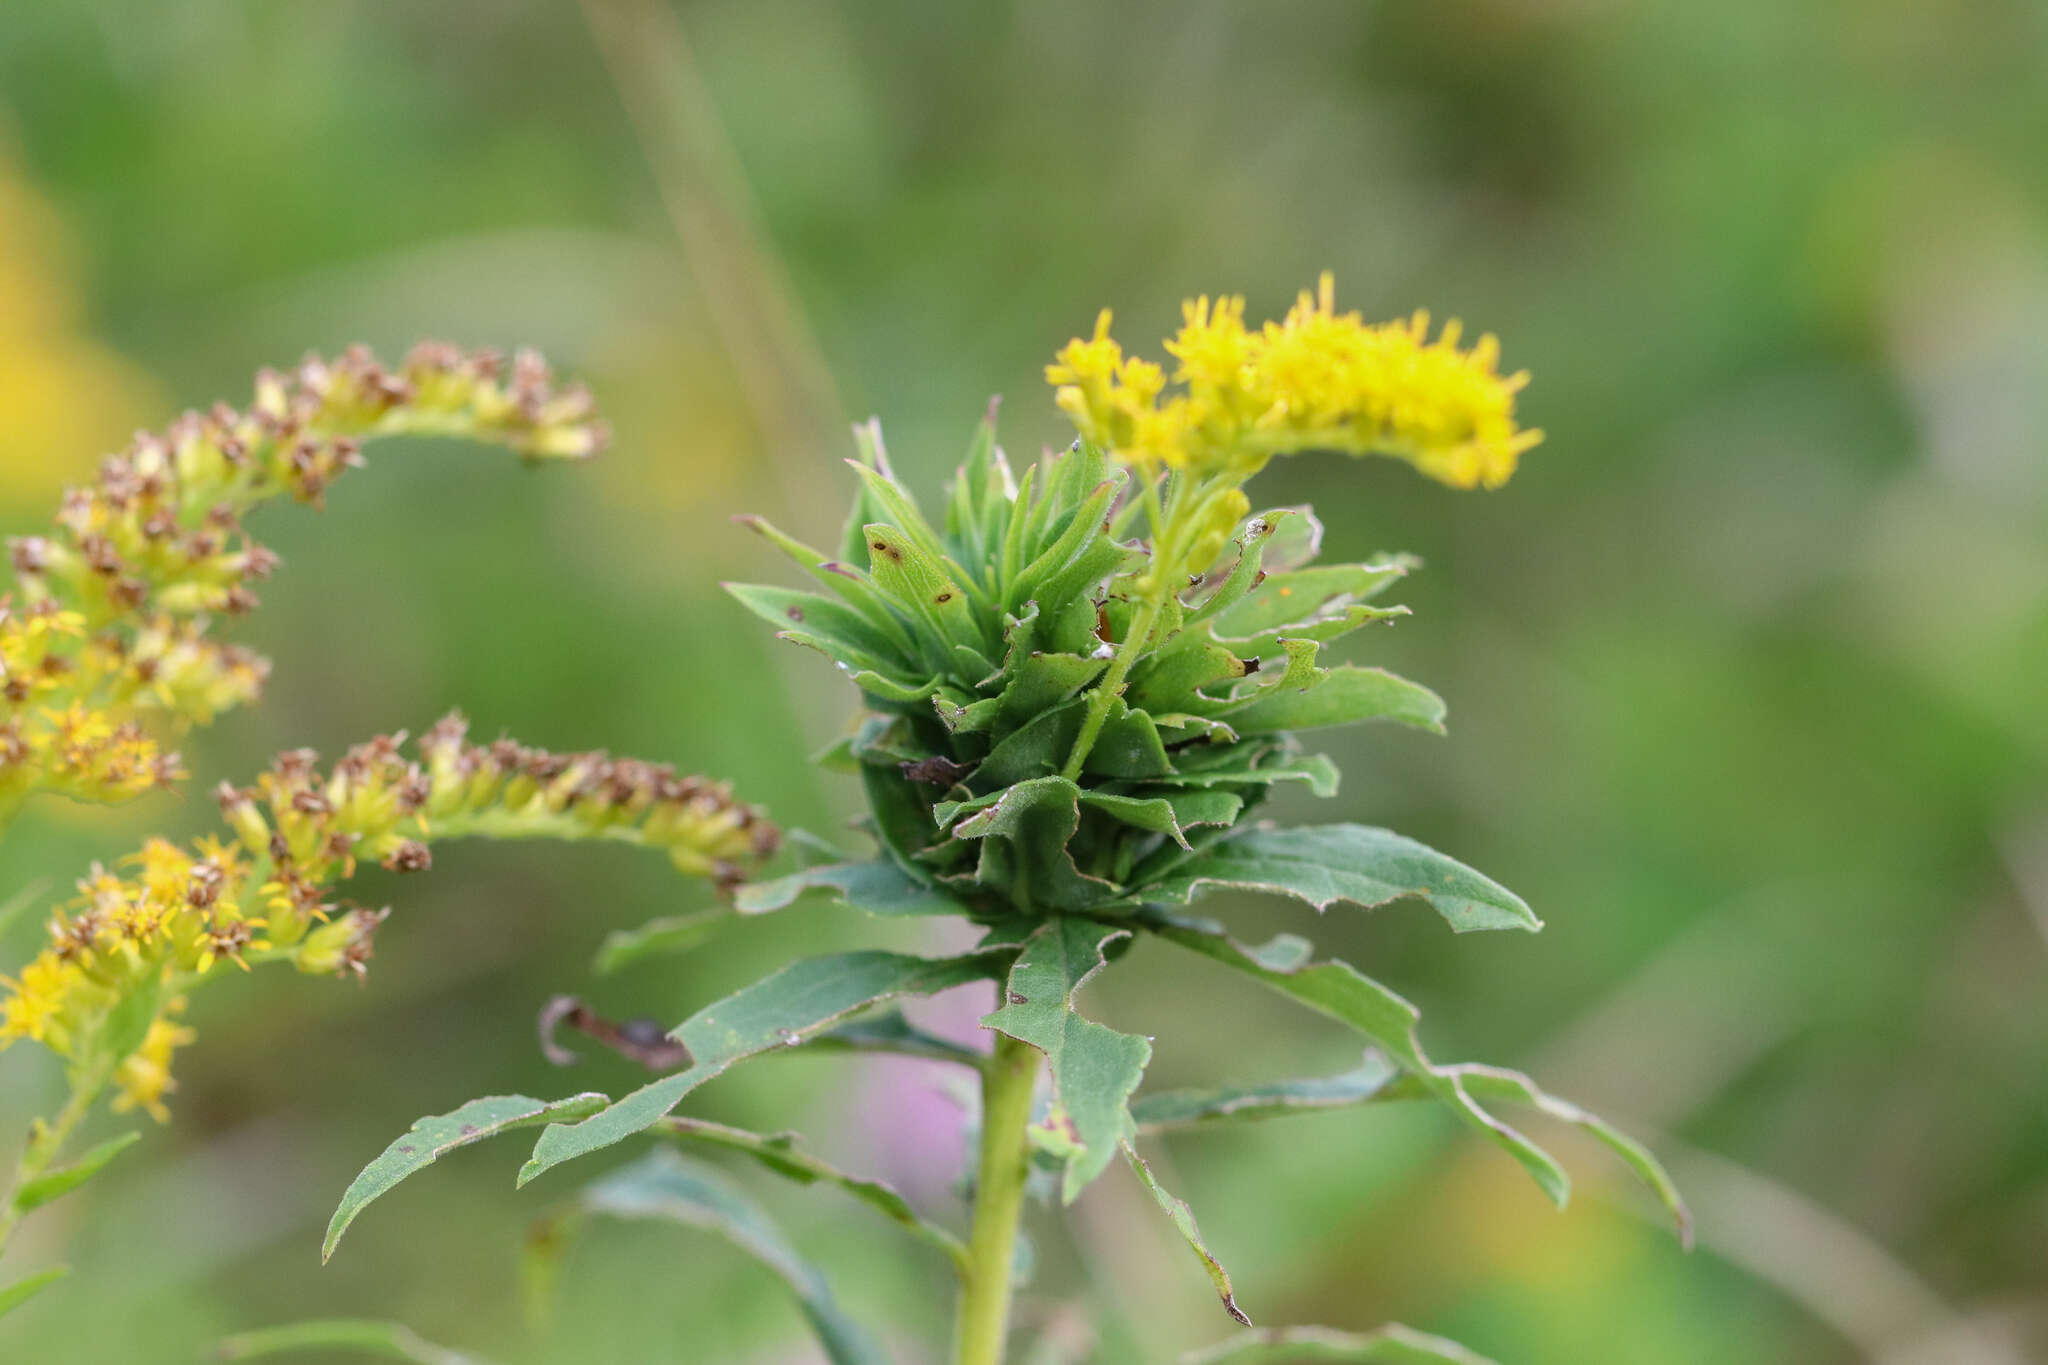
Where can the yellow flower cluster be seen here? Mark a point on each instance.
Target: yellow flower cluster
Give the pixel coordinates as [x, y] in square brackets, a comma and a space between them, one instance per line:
[1315, 380]
[107, 627]
[142, 936]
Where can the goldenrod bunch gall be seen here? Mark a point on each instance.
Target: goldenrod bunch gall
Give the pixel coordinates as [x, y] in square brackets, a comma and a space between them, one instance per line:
[139, 937]
[106, 630]
[1315, 380]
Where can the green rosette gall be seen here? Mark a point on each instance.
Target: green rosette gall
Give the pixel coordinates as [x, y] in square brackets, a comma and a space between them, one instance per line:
[1078, 686]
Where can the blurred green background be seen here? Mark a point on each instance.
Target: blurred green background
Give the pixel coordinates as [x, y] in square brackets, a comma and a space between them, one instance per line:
[1748, 668]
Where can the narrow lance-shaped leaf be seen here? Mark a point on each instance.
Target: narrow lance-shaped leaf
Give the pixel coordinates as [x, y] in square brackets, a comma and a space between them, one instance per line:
[387, 1340]
[1341, 696]
[890, 1032]
[1389, 1345]
[802, 1000]
[1377, 1082]
[1094, 1068]
[21, 1291]
[1499, 1083]
[1184, 1220]
[876, 887]
[1325, 864]
[1166, 1110]
[779, 1153]
[1342, 992]
[664, 1185]
[429, 1139]
[660, 937]
[40, 1191]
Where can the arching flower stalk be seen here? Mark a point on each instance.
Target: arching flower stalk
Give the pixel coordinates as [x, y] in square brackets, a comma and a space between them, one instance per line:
[106, 644]
[107, 991]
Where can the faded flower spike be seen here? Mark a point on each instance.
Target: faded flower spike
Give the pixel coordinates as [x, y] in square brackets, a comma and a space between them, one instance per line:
[106, 629]
[1315, 380]
[124, 953]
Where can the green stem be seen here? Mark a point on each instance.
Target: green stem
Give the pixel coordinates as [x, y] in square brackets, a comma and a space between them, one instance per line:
[1006, 1089]
[46, 1141]
[1112, 685]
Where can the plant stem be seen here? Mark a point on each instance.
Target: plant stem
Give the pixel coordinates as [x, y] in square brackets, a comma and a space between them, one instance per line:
[1006, 1088]
[1112, 685]
[45, 1141]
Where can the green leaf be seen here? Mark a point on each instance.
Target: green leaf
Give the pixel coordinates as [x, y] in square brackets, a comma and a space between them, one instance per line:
[900, 513]
[1284, 598]
[660, 937]
[1325, 864]
[829, 626]
[1047, 578]
[431, 1138]
[924, 584]
[876, 887]
[1035, 749]
[1184, 1219]
[21, 1291]
[52, 1184]
[1094, 1068]
[850, 583]
[1378, 1082]
[779, 1153]
[1500, 1083]
[1249, 765]
[802, 1000]
[1169, 815]
[1165, 1110]
[890, 1032]
[361, 1335]
[1024, 834]
[1347, 995]
[663, 1185]
[1039, 682]
[1389, 1345]
[1345, 694]
[1321, 629]
[388, 1340]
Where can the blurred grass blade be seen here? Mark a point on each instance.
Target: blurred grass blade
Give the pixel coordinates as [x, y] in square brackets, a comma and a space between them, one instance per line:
[779, 1154]
[65, 1179]
[661, 937]
[385, 1340]
[664, 1185]
[431, 1138]
[19, 904]
[21, 1291]
[1389, 1345]
[1184, 1219]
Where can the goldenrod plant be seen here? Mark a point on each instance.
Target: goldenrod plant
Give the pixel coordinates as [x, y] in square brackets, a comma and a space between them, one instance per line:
[108, 650]
[1078, 687]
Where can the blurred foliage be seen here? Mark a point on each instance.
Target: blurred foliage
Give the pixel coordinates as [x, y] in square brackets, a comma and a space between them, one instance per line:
[1744, 669]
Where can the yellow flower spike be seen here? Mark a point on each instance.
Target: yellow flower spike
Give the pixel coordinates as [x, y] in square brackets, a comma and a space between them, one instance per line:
[1315, 379]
